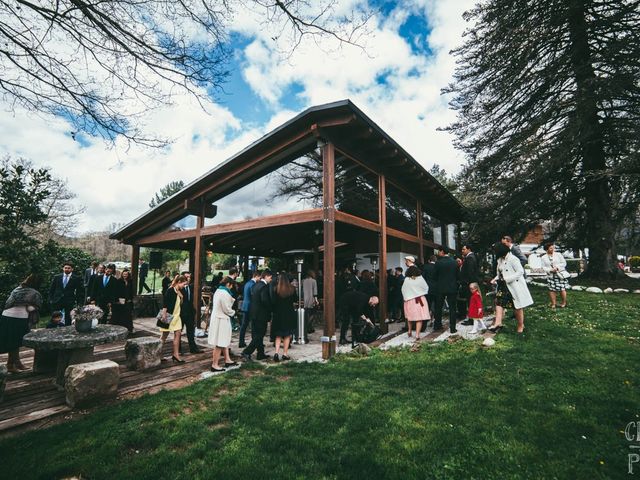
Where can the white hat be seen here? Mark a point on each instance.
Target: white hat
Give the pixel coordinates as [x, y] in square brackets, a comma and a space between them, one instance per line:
[411, 258]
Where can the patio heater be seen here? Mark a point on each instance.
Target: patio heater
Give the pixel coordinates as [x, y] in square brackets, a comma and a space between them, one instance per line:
[373, 258]
[299, 260]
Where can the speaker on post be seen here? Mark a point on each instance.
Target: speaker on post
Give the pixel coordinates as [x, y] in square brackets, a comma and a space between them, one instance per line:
[155, 260]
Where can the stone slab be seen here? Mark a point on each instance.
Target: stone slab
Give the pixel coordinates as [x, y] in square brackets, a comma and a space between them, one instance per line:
[143, 353]
[92, 382]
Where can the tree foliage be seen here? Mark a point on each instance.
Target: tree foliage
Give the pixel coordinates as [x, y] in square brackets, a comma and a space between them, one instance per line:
[548, 104]
[165, 192]
[102, 65]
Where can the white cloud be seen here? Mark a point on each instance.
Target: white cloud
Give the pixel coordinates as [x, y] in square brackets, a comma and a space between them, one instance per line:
[116, 184]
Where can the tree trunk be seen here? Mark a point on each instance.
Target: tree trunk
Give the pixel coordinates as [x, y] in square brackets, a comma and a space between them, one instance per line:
[600, 229]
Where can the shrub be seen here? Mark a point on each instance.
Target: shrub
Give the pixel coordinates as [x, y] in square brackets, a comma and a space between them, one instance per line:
[634, 262]
[573, 265]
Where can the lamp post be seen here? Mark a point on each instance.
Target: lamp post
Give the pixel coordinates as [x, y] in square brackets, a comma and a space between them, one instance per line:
[299, 260]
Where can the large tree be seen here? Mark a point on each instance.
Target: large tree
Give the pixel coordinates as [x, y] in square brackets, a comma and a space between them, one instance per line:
[101, 65]
[548, 104]
[165, 192]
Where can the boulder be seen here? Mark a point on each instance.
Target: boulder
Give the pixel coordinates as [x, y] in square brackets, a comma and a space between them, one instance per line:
[577, 288]
[362, 349]
[608, 290]
[143, 353]
[636, 291]
[86, 383]
[594, 290]
[3, 380]
[620, 290]
[488, 342]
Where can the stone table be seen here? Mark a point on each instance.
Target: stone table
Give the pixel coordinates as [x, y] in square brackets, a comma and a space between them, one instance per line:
[57, 348]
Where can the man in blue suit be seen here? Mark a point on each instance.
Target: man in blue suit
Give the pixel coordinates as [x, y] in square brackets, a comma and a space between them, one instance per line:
[66, 292]
[105, 291]
[246, 305]
[446, 280]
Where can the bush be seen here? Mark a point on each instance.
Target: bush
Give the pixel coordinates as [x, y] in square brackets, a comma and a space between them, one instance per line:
[634, 262]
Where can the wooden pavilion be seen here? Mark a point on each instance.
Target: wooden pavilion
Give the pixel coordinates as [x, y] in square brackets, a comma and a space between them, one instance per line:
[329, 181]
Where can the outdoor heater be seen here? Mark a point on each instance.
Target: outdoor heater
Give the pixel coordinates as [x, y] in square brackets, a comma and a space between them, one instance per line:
[299, 260]
[373, 258]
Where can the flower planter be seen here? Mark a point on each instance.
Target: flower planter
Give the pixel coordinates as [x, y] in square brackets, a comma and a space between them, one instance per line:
[85, 326]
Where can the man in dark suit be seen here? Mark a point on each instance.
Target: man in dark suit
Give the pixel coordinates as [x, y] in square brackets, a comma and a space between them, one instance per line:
[66, 292]
[88, 273]
[143, 271]
[469, 273]
[446, 279]
[429, 273]
[188, 314]
[104, 291]
[515, 249]
[260, 314]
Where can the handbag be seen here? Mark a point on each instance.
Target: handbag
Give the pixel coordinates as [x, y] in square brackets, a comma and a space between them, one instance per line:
[163, 322]
[564, 274]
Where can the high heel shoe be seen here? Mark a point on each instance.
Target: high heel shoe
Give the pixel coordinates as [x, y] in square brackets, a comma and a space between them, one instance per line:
[217, 369]
[177, 360]
[495, 328]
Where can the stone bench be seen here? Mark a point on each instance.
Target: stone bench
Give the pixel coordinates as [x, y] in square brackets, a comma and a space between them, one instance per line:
[91, 382]
[143, 353]
[3, 380]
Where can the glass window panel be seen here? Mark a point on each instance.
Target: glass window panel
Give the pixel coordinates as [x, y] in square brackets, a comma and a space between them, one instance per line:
[429, 225]
[293, 187]
[451, 236]
[188, 222]
[437, 235]
[356, 189]
[401, 210]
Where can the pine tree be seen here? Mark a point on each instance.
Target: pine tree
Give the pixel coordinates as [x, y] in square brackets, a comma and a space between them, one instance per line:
[548, 104]
[165, 192]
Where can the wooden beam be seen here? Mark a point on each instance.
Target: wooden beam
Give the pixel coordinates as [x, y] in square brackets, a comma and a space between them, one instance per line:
[329, 266]
[303, 216]
[200, 207]
[357, 221]
[197, 267]
[382, 287]
[347, 119]
[402, 235]
[166, 237]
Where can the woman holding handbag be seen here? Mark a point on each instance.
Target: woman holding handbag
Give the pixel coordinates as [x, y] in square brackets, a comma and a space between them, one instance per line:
[172, 303]
[555, 266]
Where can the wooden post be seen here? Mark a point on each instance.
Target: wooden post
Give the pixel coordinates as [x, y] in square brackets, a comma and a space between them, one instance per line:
[382, 216]
[420, 246]
[197, 268]
[135, 259]
[459, 238]
[329, 266]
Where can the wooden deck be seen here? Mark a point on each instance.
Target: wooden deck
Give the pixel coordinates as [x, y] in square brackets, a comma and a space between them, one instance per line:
[32, 401]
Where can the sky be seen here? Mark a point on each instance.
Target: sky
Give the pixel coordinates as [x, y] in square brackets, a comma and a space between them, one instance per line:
[396, 79]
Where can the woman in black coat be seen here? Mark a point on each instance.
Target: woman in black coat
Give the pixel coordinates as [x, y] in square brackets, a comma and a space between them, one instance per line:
[284, 316]
[122, 310]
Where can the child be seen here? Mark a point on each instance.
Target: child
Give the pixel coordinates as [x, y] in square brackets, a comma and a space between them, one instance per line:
[475, 308]
[56, 320]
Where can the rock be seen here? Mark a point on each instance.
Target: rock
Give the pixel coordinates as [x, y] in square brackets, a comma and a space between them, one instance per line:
[362, 349]
[636, 291]
[488, 342]
[143, 353]
[620, 290]
[577, 288]
[594, 290]
[3, 380]
[608, 290]
[86, 383]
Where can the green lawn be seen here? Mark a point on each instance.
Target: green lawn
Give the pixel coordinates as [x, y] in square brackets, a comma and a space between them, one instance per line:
[553, 405]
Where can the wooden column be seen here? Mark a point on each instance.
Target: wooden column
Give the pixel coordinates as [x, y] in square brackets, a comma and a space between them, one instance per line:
[197, 268]
[382, 216]
[135, 259]
[420, 246]
[329, 266]
[458, 239]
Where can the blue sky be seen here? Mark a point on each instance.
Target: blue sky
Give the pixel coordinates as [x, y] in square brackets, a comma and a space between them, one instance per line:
[395, 79]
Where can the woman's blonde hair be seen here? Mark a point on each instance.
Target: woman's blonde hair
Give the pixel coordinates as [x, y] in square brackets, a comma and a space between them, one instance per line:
[474, 286]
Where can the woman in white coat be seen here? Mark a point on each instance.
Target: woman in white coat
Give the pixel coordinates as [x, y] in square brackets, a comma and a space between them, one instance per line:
[512, 289]
[555, 266]
[220, 325]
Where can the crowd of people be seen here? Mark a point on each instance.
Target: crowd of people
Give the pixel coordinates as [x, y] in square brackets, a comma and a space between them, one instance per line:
[417, 295]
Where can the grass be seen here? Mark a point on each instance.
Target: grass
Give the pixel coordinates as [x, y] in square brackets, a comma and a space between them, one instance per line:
[554, 405]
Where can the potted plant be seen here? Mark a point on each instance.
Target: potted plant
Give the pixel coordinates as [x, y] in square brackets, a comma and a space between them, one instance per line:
[86, 318]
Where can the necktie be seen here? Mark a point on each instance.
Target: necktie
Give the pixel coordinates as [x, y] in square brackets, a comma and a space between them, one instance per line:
[187, 291]
[65, 279]
[105, 280]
